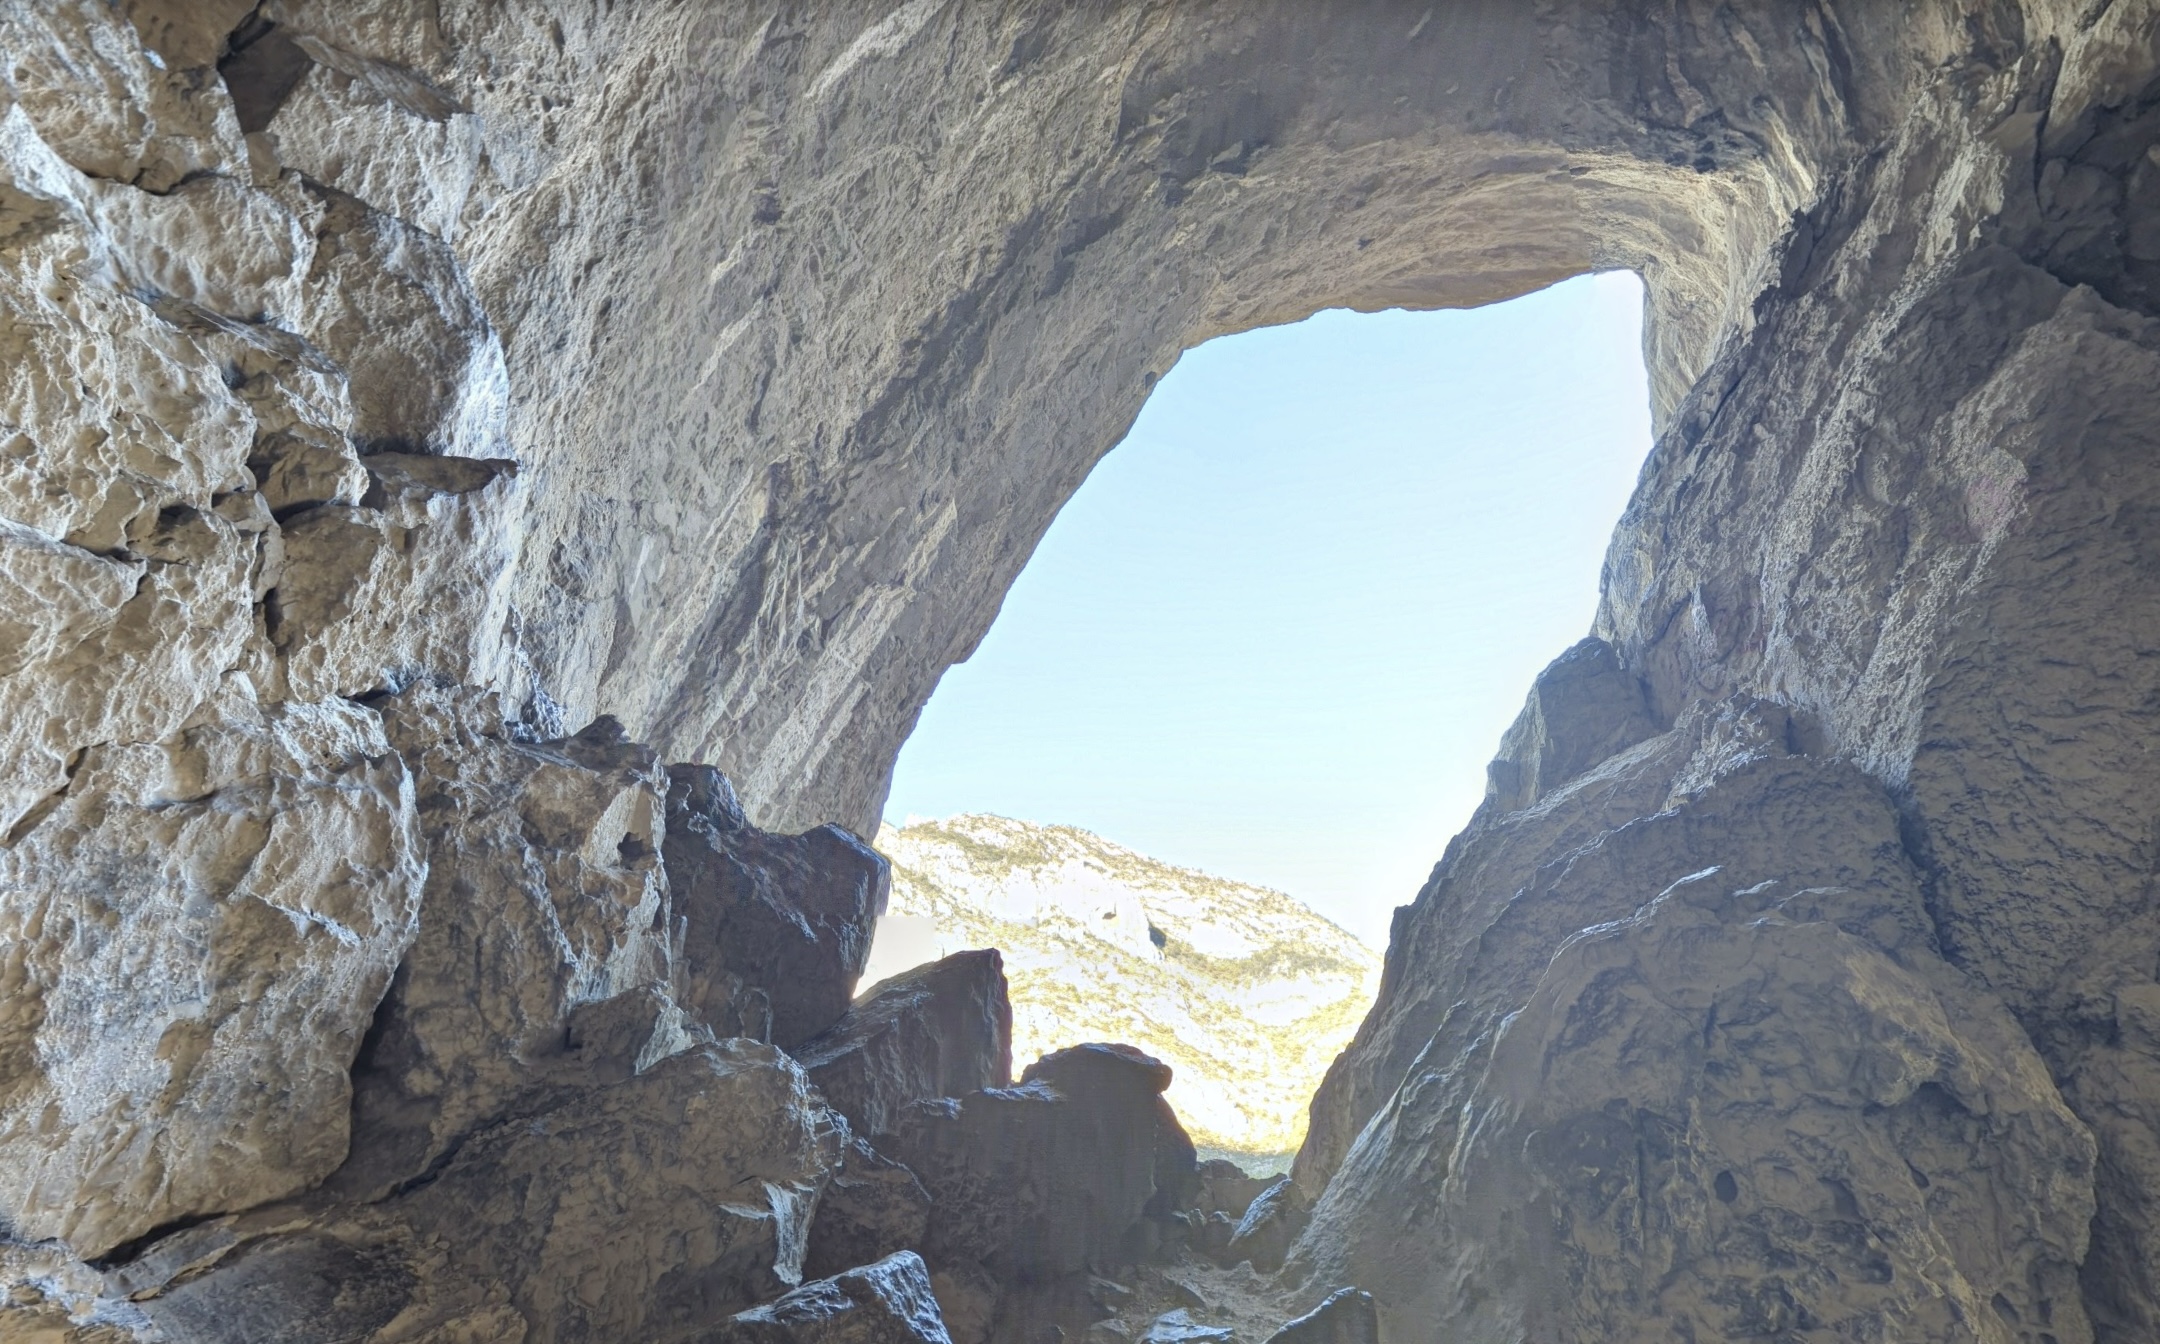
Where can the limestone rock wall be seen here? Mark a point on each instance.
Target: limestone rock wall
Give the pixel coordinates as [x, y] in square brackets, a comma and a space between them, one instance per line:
[387, 386]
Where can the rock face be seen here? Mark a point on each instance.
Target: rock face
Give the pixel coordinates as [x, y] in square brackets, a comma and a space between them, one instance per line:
[209, 920]
[889, 1302]
[717, 367]
[641, 1209]
[1053, 1176]
[788, 917]
[941, 1030]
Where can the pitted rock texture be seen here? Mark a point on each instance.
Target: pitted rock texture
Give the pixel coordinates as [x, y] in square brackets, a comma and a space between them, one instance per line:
[646, 1208]
[941, 1030]
[797, 325]
[1055, 1175]
[201, 926]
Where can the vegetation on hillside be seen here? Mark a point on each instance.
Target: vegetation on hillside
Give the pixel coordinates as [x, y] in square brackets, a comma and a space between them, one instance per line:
[1246, 993]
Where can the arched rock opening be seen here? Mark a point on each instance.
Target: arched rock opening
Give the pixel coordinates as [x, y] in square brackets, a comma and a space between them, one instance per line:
[717, 367]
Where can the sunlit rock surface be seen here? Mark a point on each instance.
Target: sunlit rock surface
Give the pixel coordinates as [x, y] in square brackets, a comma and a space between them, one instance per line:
[716, 367]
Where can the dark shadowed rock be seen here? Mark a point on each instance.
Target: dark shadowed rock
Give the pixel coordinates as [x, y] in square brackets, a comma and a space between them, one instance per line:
[889, 1302]
[1584, 708]
[1055, 1175]
[1224, 1187]
[544, 900]
[1271, 1223]
[789, 915]
[941, 1030]
[630, 1210]
[1348, 1316]
[872, 1208]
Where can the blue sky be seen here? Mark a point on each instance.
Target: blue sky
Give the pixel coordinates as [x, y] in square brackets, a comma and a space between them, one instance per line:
[1279, 631]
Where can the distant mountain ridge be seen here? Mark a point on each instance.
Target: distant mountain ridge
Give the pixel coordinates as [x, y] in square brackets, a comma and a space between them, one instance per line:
[1246, 993]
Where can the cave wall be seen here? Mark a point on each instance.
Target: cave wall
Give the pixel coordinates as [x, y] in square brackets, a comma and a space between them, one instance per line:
[717, 368]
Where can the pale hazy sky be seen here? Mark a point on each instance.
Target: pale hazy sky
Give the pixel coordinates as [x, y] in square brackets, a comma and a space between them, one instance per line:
[1279, 631]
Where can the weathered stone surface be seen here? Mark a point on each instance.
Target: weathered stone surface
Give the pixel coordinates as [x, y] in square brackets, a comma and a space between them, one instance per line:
[889, 1302]
[544, 892]
[195, 925]
[872, 1208]
[1053, 1176]
[941, 1030]
[345, 618]
[1346, 1316]
[1267, 1228]
[801, 323]
[790, 915]
[1765, 1082]
[642, 1209]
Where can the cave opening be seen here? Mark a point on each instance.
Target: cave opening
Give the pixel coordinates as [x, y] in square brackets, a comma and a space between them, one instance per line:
[1245, 689]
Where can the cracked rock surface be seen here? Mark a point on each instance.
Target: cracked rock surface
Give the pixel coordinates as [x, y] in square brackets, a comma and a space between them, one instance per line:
[389, 386]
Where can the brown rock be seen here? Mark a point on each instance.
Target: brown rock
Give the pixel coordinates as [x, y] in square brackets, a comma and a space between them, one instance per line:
[790, 915]
[941, 1030]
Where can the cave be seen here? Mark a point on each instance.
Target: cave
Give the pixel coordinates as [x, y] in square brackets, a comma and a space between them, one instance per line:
[486, 489]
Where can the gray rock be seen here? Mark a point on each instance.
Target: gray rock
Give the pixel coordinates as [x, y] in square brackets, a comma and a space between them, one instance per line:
[1345, 1316]
[1772, 1087]
[790, 915]
[1225, 1188]
[872, 1208]
[637, 1209]
[197, 923]
[544, 895]
[1178, 1327]
[801, 324]
[1270, 1224]
[1054, 1176]
[1584, 708]
[941, 1030]
[889, 1302]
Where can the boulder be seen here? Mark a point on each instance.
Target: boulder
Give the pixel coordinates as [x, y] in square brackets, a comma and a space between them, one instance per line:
[194, 925]
[544, 895]
[633, 1210]
[888, 1302]
[1347, 1316]
[1053, 1176]
[873, 1207]
[1270, 1224]
[1178, 1327]
[941, 1030]
[789, 915]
